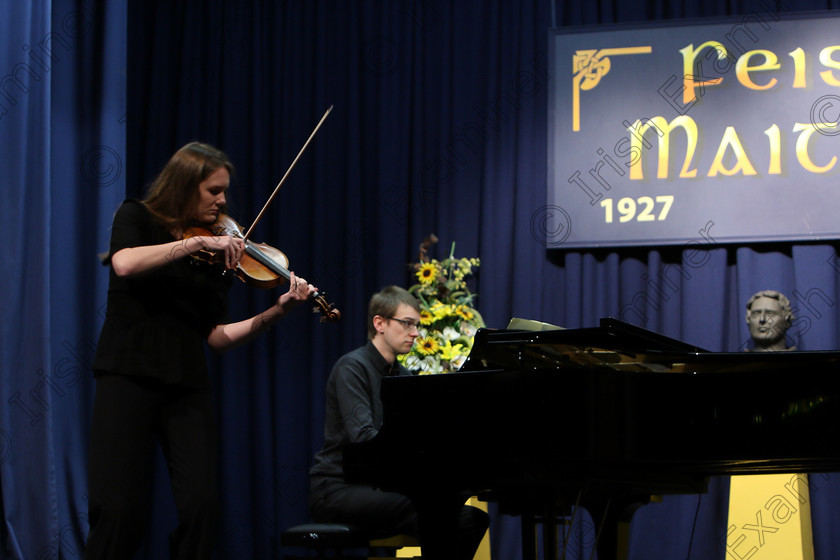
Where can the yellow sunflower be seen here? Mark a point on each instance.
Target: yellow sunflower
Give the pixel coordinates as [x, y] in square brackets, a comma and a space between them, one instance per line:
[426, 346]
[427, 273]
[426, 317]
[465, 313]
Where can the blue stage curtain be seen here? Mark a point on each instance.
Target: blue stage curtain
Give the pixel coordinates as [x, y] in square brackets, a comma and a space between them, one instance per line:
[439, 125]
[62, 100]
[26, 427]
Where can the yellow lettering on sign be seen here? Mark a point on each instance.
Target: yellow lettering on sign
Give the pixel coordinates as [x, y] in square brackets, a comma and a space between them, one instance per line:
[775, 167]
[730, 140]
[743, 68]
[828, 62]
[689, 65]
[798, 56]
[664, 129]
[802, 155]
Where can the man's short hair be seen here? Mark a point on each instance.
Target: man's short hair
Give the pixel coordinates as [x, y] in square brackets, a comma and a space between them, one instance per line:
[385, 304]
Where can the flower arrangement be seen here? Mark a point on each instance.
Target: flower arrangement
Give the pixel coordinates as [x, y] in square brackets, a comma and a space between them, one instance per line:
[448, 320]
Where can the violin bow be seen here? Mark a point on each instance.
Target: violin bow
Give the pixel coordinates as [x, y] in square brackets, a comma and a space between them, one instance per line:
[283, 180]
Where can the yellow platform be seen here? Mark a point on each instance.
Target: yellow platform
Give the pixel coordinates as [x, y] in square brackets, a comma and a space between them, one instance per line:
[769, 518]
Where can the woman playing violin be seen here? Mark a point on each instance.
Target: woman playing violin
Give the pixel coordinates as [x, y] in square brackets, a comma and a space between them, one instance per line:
[151, 377]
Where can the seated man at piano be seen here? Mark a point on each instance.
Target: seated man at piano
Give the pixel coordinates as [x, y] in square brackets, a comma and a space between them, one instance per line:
[769, 316]
[353, 413]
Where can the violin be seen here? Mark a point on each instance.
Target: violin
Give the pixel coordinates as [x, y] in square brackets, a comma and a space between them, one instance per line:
[261, 265]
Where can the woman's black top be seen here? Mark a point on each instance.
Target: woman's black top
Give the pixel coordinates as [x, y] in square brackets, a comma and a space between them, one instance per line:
[156, 324]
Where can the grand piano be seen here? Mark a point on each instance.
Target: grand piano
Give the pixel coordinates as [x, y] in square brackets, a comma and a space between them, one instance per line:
[603, 418]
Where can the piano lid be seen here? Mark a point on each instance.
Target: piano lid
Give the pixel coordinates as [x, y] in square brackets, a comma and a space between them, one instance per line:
[614, 343]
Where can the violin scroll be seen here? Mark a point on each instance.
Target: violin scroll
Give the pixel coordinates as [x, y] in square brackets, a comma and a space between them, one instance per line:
[329, 312]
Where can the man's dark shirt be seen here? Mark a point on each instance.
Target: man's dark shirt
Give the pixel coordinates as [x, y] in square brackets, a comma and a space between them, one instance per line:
[353, 406]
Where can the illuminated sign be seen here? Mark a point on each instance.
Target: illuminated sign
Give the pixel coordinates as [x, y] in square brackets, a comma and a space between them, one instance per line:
[725, 131]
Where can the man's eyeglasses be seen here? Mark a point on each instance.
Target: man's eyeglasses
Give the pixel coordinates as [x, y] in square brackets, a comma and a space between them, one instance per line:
[407, 325]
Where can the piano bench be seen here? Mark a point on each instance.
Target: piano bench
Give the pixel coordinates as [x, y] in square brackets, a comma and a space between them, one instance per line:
[330, 540]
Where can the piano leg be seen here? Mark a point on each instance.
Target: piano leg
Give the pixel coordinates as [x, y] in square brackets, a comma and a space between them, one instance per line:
[550, 525]
[529, 536]
[613, 520]
[550, 533]
[438, 520]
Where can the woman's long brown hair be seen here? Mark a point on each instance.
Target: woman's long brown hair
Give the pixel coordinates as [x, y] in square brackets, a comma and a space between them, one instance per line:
[173, 194]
